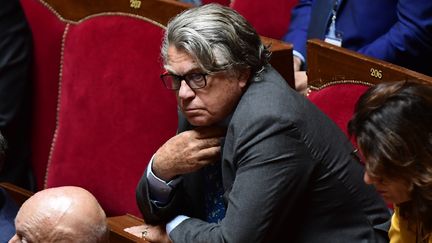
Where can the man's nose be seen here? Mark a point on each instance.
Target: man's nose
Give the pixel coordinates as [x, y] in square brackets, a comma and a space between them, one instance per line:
[185, 91]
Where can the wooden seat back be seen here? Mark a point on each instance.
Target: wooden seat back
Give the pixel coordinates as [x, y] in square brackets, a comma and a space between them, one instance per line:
[327, 63]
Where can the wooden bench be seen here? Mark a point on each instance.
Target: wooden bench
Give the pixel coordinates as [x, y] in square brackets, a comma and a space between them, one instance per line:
[337, 77]
[327, 63]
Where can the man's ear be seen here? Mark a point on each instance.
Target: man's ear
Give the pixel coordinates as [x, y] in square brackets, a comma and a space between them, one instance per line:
[243, 77]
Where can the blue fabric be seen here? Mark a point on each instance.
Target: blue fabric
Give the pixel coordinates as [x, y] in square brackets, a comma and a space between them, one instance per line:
[396, 31]
[194, 2]
[214, 203]
[319, 19]
[8, 211]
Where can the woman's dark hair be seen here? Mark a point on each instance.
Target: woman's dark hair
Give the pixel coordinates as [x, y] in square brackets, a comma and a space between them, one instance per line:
[392, 125]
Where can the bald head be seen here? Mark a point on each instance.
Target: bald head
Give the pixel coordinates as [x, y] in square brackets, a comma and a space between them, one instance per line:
[61, 214]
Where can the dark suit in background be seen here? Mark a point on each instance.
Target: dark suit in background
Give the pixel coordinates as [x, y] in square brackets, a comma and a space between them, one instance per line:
[8, 211]
[15, 61]
[397, 31]
[289, 175]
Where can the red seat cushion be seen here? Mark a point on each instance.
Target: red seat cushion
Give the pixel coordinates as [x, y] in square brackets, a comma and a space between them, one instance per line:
[114, 111]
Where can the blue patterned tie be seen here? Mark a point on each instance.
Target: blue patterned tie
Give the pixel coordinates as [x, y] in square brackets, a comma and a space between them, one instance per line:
[214, 204]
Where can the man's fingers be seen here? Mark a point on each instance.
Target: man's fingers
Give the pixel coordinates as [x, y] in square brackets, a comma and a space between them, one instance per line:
[301, 82]
[209, 155]
[209, 143]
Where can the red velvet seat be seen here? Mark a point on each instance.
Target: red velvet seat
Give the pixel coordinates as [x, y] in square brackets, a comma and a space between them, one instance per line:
[270, 18]
[100, 110]
[337, 100]
[47, 30]
[113, 110]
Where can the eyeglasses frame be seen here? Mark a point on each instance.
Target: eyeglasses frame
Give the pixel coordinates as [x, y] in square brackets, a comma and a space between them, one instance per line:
[183, 77]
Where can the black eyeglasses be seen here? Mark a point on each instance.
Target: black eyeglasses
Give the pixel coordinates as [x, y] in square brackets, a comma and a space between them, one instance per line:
[193, 80]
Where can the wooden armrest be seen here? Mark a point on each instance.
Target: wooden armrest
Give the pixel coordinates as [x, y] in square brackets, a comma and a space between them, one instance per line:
[20, 195]
[117, 225]
[281, 58]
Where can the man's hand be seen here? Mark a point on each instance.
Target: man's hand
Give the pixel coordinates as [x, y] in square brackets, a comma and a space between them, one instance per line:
[297, 63]
[301, 82]
[154, 234]
[188, 152]
[300, 77]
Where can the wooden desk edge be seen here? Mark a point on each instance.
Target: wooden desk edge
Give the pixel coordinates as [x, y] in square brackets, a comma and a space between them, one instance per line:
[316, 47]
[117, 224]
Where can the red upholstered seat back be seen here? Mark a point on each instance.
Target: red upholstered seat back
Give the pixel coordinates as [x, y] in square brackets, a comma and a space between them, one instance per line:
[47, 30]
[113, 111]
[338, 99]
[270, 18]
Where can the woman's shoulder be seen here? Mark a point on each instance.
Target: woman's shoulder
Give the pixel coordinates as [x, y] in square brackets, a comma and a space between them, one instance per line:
[399, 231]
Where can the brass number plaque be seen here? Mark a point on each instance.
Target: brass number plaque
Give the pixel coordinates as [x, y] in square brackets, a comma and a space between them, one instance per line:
[135, 3]
[376, 73]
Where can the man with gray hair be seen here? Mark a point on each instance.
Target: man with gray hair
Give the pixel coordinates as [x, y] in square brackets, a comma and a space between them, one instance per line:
[253, 160]
[61, 214]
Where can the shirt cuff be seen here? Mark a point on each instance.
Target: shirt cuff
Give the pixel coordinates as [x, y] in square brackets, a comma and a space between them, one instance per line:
[159, 189]
[174, 223]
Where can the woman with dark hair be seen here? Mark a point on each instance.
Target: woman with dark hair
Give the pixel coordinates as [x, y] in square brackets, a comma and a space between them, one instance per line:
[393, 128]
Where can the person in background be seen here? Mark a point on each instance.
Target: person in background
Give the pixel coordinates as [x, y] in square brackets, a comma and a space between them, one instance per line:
[201, 2]
[253, 160]
[61, 214]
[15, 63]
[8, 207]
[193, 2]
[392, 126]
[396, 31]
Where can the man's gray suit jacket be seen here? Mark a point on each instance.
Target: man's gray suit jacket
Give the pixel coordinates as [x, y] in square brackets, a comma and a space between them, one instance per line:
[289, 175]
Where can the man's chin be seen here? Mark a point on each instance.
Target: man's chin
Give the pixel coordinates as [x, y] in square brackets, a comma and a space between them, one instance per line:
[199, 121]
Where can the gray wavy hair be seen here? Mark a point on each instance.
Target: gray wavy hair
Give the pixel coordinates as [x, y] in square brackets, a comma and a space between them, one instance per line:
[218, 38]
